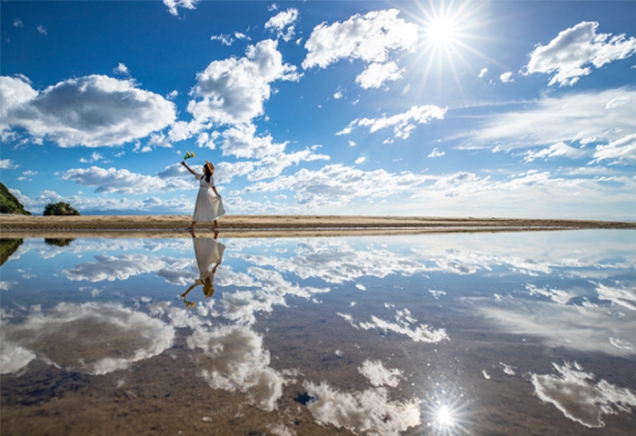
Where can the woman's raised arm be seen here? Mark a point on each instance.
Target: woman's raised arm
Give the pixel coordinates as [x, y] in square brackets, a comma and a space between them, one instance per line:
[188, 168]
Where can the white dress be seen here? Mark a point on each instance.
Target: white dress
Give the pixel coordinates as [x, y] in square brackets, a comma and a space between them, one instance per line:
[208, 207]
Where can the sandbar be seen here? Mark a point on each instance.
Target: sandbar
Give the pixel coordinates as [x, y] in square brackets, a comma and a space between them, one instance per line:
[167, 226]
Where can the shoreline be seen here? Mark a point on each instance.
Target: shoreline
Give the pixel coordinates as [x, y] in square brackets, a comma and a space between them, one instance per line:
[174, 226]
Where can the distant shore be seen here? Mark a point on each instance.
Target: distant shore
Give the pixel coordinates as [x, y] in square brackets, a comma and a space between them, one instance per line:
[16, 226]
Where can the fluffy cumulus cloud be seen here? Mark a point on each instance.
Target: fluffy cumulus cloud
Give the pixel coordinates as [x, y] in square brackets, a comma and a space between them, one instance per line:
[379, 375]
[574, 393]
[174, 5]
[93, 338]
[367, 412]
[92, 111]
[575, 50]
[376, 74]
[233, 90]
[370, 38]
[506, 77]
[242, 141]
[233, 359]
[283, 24]
[596, 116]
[403, 124]
[122, 181]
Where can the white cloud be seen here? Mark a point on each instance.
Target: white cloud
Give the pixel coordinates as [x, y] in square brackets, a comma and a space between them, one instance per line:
[620, 151]
[403, 124]
[227, 39]
[369, 412]
[616, 102]
[224, 172]
[550, 120]
[234, 359]
[506, 77]
[562, 325]
[572, 53]
[121, 69]
[483, 72]
[93, 111]
[337, 262]
[122, 181]
[93, 338]
[103, 203]
[560, 149]
[42, 30]
[436, 153]
[376, 74]
[368, 37]
[173, 5]
[7, 164]
[18, 23]
[379, 375]
[241, 141]
[281, 21]
[232, 91]
[359, 160]
[403, 325]
[340, 183]
[174, 170]
[574, 393]
[622, 296]
[273, 165]
[172, 95]
[338, 94]
[94, 158]
[122, 267]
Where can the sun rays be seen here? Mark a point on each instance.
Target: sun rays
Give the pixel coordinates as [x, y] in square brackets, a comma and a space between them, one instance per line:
[448, 33]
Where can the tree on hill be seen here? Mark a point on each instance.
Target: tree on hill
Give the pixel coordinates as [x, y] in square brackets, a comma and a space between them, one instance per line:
[60, 208]
[9, 203]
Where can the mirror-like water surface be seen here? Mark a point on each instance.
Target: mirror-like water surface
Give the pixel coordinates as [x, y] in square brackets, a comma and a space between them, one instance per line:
[520, 333]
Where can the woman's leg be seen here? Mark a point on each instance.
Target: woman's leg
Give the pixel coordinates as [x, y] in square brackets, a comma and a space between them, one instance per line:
[216, 224]
[192, 226]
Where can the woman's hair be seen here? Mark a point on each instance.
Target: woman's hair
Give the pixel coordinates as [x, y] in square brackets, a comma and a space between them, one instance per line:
[207, 174]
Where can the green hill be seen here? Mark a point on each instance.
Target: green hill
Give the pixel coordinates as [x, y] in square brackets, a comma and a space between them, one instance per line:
[10, 204]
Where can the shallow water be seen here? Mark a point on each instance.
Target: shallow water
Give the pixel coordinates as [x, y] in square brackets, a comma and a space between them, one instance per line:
[519, 333]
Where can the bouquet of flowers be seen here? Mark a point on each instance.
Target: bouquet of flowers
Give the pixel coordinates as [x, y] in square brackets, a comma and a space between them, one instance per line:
[188, 155]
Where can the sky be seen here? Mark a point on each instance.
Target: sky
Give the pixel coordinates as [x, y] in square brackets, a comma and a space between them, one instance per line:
[456, 108]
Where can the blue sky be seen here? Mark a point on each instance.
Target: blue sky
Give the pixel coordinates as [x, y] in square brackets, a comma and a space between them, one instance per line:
[465, 108]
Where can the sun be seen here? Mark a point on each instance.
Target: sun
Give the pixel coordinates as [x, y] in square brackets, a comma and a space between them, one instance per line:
[442, 33]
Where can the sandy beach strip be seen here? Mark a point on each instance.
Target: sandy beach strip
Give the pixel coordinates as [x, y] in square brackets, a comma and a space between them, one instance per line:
[16, 226]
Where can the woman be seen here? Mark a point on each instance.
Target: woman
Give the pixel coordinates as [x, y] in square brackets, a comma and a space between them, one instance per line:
[209, 255]
[208, 207]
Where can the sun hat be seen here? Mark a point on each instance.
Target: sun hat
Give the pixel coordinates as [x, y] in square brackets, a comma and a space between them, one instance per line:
[210, 166]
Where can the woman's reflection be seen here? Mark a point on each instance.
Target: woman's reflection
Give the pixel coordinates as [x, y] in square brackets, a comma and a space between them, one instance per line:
[209, 253]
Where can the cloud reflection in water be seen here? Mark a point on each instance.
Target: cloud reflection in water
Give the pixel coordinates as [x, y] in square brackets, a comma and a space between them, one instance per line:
[92, 338]
[574, 393]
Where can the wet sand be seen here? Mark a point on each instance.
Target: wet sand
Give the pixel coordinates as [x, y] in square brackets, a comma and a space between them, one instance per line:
[165, 226]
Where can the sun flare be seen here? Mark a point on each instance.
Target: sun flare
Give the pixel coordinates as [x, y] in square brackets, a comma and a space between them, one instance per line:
[441, 33]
